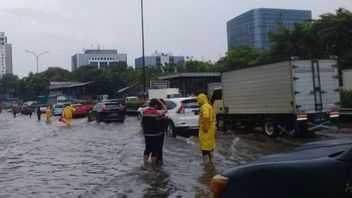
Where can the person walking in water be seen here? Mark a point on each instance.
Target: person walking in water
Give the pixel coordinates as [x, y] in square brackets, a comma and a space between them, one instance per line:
[15, 110]
[38, 112]
[152, 124]
[162, 136]
[67, 115]
[48, 114]
[207, 129]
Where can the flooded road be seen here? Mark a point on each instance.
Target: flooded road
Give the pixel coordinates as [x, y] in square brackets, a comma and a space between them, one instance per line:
[105, 160]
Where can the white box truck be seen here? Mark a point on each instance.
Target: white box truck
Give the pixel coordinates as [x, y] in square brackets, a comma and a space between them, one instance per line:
[164, 93]
[285, 97]
[347, 79]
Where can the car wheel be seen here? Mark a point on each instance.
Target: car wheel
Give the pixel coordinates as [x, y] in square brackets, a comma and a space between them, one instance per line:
[98, 117]
[171, 129]
[270, 127]
[221, 124]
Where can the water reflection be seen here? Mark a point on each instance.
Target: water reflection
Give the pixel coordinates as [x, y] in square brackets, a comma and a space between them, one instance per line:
[105, 160]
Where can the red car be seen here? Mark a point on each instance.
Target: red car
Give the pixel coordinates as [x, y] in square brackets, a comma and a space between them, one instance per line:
[81, 110]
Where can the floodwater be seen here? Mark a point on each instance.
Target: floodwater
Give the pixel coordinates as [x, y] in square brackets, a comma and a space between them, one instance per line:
[105, 160]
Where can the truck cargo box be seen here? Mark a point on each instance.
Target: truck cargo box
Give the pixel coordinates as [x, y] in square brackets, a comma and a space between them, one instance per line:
[285, 87]
[289, 96]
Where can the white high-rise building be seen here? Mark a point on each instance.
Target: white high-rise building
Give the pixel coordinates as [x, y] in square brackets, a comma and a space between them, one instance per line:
[5, 56]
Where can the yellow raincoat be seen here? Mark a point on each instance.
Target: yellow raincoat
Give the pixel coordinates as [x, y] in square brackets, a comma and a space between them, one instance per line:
[48, 114]
[207, 127]
[67, 114]
[68, 111]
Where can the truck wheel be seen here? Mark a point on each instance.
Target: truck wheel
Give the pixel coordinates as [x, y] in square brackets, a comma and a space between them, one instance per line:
[270, 127]
[221, 124]
[171, 130]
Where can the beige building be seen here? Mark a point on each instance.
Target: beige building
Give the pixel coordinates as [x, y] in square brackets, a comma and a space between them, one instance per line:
[5, 56]
[8, 58]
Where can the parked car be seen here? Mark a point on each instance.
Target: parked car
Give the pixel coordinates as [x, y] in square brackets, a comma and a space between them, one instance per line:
[121, 101]
[26, 110]
[88, 107]
[58, 109]
[80, 110]
[183, 114]
[77, 110]
[106, 112]
[318, 169]
[141, 109]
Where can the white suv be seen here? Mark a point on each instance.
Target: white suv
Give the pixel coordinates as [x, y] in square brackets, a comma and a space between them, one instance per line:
[183, 113]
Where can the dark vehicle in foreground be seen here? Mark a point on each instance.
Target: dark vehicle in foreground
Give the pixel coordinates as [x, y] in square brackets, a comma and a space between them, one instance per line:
[107, 111]
[318, 169]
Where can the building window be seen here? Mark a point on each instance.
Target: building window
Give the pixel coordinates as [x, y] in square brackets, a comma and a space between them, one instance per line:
[103, 64]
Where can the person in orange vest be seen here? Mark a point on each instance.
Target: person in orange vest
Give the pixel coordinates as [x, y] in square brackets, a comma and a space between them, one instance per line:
[48, 114]
[67, 115]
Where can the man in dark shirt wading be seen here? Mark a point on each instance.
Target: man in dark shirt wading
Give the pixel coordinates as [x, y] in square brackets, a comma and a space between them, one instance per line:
[152, 120]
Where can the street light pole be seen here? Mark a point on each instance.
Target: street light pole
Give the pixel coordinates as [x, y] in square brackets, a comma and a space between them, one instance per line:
[37, 56]
[143, 56]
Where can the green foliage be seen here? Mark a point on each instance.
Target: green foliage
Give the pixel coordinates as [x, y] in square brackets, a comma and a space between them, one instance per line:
[239, 57]
[329, 35]
[134, 104]
[9, 85]
[346, 98]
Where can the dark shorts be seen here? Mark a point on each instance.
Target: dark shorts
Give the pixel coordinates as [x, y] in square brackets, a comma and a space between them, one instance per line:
[152, 145]
[205, 152]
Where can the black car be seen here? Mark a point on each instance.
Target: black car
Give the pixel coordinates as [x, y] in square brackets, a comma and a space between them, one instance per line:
[121, 101]
[321, 169]
[107, 111]
[26, 110]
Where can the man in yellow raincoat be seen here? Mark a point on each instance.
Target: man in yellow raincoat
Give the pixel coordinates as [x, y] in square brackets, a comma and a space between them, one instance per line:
[48, 114]
[67, 115]
[207, 129]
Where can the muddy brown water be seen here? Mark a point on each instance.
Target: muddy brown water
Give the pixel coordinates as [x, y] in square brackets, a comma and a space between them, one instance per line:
[105, 160]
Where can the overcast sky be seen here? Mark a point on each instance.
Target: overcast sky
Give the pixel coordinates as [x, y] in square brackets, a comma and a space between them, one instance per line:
[183, 27]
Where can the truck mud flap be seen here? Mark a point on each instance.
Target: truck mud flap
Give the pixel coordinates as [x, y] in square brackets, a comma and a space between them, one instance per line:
[283, 130]
[312, 127]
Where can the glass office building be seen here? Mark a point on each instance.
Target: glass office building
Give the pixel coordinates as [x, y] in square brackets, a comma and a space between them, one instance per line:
[251, 28]
[157, 60]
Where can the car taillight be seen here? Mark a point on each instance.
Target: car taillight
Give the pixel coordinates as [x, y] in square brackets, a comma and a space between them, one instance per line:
[218, 184]
[104, 109]
[334, 114]
[181, 109]
[301, 117]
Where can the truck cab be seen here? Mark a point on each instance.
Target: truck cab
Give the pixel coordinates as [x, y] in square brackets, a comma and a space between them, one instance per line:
[216, 101]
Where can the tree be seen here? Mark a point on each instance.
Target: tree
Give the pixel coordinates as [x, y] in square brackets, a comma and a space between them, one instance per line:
[9, 85]
[329, 35]
[239, 57]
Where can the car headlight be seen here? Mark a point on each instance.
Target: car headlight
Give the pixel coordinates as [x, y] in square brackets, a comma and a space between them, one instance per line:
[218, 184]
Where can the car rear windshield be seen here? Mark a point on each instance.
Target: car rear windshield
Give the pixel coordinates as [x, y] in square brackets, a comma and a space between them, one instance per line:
[192, 103]
[112, 105]
[169, 104]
